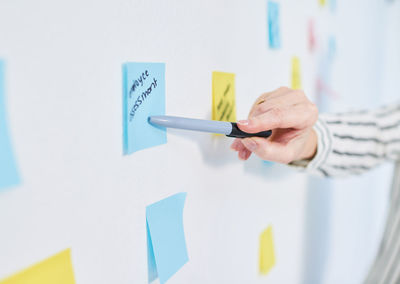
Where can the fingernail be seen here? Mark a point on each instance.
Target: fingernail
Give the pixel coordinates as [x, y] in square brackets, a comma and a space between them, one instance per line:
[250, 144]
[243, 122]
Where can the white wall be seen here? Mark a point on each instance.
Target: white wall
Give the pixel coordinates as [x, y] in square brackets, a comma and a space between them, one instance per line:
[64, 93]
[344, 238]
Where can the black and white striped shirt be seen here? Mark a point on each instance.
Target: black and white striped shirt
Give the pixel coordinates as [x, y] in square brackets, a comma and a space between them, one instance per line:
[352, 143]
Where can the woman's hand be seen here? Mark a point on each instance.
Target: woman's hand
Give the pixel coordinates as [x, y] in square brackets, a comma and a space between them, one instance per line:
[290, 116]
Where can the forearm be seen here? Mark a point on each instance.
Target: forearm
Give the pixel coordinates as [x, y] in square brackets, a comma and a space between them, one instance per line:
[353, 143]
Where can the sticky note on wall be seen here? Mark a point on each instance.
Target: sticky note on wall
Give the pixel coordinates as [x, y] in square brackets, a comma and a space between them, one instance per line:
[56, 269]
[296, 73]
[311, 36]
[274, 36]
[166, 245]
[8, 167]
[267, 252]
[331, 48]
[223, 96]
[143, 95]
[322, 2]
[332, 4]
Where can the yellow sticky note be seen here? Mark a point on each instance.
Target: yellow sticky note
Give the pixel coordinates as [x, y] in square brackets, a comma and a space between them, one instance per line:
[296, 73]
[322, 2]
[267, 254]
[54, 270]
[223, 96]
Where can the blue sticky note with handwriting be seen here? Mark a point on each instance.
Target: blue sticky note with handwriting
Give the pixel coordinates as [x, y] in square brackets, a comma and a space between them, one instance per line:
[274, 35]
[8, 167]
[143, 96]
[166, 245]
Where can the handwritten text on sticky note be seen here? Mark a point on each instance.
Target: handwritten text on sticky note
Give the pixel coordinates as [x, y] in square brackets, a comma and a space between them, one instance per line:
[8, 167]
[166, 245]
[223, 96]
[267, 252]
[143, 95]
[56, 269]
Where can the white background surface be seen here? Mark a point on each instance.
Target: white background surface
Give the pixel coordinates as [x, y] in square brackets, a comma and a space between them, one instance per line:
[64, 102]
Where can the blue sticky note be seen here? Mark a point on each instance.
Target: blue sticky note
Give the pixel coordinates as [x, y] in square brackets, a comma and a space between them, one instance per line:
[273, 25]
[143, 96]
[331, 47]
[166, 245]
[332, 4]
[268, 163]
[8, 167]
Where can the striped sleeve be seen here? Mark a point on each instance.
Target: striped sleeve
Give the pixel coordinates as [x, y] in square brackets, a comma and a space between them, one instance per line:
[353, 143]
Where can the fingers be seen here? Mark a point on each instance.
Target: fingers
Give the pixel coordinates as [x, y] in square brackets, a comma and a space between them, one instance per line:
[236, 144]
[263, 148]
[283, 101]
[267, 97]
[280, 106]
[243, 152]
[285, 111]
[268, 150]
[298, 116]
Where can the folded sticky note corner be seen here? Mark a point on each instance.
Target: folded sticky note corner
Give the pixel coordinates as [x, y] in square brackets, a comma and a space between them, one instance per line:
[166, 245]
[9, 175]
[143, 96]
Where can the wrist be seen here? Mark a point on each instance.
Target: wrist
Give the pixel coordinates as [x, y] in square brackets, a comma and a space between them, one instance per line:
[310, 148]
